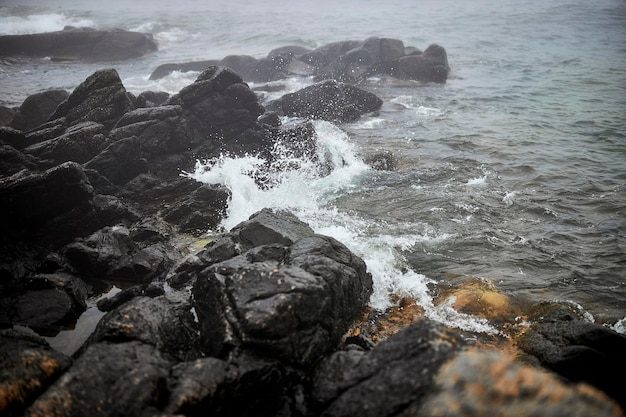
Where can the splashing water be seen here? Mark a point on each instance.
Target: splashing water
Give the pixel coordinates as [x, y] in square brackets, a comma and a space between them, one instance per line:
[308, 189]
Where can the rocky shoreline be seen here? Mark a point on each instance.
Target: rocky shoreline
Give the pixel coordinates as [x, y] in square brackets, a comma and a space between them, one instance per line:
[269, 318]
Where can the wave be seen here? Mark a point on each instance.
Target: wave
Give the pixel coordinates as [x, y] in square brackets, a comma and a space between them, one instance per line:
[38, 23]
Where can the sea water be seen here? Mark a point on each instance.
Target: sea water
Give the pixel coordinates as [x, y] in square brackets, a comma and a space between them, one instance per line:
[514, 170]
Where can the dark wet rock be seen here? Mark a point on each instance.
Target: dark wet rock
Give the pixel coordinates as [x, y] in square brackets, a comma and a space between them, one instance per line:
[46, 131]
[248, 387]
[203, 210]
[79, 44]
[47, 304]
[369, 57]
[221, 113]
[13, 161]
[221, 249]
[101, 98]
[270, 118]
[269, 226]
[161, 141]
[151, 229]
[12, 137]
[111, 210]
[324, 55]
[389, 380]
[28, 367]
[151, 291]
[155, 194]
[164, 70]
[151, 98]
[37, 109]
[577, 350]
[109, 379]
[120, 162]
[79, 143]
[169, 326]
[327, 100]
[111, 253]
[289, 50]
[56, 204]
[292, 295]
[430, 66]
[486, 383]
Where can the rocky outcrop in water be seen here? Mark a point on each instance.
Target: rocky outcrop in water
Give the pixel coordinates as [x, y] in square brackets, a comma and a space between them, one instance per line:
[345, 61]
[260, 320]
[79, 44]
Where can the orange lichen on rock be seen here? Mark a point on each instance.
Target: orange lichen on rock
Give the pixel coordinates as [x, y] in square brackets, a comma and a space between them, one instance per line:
[478, 382]
[378, 326]
[481, 298]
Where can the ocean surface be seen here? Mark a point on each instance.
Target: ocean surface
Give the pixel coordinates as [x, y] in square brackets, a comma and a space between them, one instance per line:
[514, 171]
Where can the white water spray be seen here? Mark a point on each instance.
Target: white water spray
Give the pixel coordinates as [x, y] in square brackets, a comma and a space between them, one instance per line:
[308, 188]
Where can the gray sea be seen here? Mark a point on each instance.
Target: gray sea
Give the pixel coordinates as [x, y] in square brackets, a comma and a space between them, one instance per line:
[514, 171]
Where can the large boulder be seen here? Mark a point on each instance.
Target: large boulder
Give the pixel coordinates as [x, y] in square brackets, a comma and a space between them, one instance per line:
[291, 296]
[327, 100]
[79, 44]
[101, 98]
[430, 66]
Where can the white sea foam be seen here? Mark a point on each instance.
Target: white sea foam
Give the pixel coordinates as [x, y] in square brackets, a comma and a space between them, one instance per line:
[38, 23]
[309, 191]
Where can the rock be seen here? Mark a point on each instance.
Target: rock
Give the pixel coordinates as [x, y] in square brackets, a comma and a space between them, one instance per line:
[164, 70]
[120, 162]
[56, 204]
[108, 304]
[101, 98]
[111, 210]
[210, 386]
[203, 210]
[37, 109]
[327, 100]
[13, 161]
[324, 55]
[489, 383]
[371, 56]
[6, 115]
[391, 379]
[27, 367]
[290, 302]
[161, 133]
[111, 253]
[430, 66]
[160, 322]
[218, 107]
[243, 65]
[108, 379]
[12, 137]
[49, 303]
[268, 226]
[79, 44]
[151, 98]
[579, 351]
[79, 143]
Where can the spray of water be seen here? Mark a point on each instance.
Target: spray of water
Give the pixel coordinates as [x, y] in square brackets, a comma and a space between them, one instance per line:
[308, 188]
